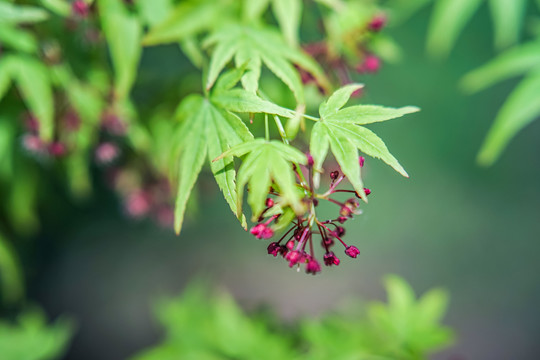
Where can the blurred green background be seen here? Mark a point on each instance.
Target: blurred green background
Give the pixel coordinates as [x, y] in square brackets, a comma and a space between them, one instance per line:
[473, 230]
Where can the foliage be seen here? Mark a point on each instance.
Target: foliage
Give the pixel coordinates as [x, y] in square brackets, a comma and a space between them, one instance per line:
[201, 326]
[68, 72]
[30, 338]
[449, 19]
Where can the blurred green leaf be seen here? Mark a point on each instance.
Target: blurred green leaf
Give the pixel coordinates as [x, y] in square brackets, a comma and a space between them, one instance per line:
[15, 14]
[401, 10]
[289, 14]
[190, 47]
[123, 33]
[409, 327]
[253, 9]
[519, 109]
[18, 39]
[189, 19]
[7, 146]
[11, 278]
[404, 328]
[30, 338]
[508, 19]
[59, 7]
[33, 80]
[448, 20]
[202, 325]
[22, 200]
[154, 12]
[5, 75]
[512, 62]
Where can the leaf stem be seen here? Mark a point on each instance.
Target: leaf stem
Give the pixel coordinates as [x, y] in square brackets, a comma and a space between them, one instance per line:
[266, 131]
[309, 117]
[281, 130]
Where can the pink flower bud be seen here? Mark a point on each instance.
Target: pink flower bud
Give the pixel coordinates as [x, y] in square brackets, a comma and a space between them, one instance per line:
[342, 219]
[310, 160]
[33, 143]
[106, 153]
[57, 149]
[313, 267]
[331, 259]
[261, 231]
[352, 251]
[80, 8]
[293, 257]
[137, 204]
[273, 248]
[361, 161]
[113, 124]
[377, 23]
[290, 244]
[371, 64]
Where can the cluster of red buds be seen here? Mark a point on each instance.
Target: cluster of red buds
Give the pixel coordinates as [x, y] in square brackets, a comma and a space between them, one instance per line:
[34, 145]
[143, 197]
[80, 8]
[339, 66]
[105, 153]
[296, 245]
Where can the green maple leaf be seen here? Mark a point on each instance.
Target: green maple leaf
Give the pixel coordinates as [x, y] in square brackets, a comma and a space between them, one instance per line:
[186, 20]
[339, 130]
[208, 128]
[254, 46]
[266, 162]
[34, 83]
[521, 107]
[410, 323]
[123, 32]
[288, 14]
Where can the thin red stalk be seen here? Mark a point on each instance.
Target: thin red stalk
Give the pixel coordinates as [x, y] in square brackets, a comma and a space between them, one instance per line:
[334, 234]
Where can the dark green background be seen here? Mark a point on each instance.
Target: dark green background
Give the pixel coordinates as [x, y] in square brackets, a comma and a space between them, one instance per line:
[472, 230]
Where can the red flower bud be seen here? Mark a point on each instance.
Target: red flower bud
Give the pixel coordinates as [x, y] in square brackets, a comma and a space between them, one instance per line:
[361, 161]
[352, 251]
[377, 23]
[331, 259]
[313, 267]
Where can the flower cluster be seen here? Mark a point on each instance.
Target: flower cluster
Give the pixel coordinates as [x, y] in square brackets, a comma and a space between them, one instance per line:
[65, 140]
[143, 196]
[341, 63]
[297, 245]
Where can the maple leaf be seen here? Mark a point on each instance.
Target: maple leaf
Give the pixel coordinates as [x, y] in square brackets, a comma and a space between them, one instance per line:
[339, 130]
[266, 162]
[208, 128]
[254, 46]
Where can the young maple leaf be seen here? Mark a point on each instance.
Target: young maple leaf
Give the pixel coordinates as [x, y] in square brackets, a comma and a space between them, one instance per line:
[266, 162]
[339, 130]
[209, 127]
[416, 323]
[254, 46]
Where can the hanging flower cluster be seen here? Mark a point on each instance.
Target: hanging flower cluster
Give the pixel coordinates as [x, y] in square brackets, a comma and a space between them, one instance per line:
[297, 244]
